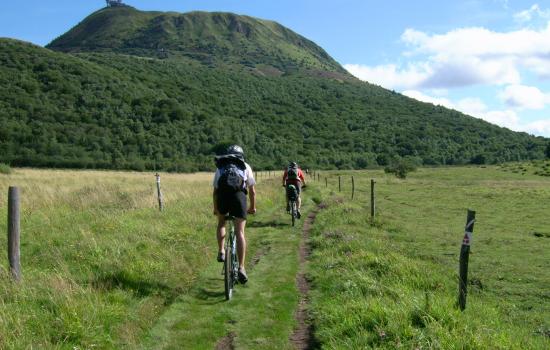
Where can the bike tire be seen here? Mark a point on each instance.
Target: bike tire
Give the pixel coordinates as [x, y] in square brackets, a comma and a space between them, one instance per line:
[228, 277]
[228, 267]
[293, 212]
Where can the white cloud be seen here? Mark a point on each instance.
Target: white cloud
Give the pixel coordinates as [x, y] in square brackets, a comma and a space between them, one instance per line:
[438, 101]
[390, 76]
[524, 97]
[506, 118]
[475, 108]
[531, 13]
[464, 57]
[539, 127]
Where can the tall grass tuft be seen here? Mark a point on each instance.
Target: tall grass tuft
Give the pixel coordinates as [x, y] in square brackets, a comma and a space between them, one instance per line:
[5, 169]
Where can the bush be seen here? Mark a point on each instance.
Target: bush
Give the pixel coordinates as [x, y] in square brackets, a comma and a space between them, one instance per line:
[400, 168]
[5, 169]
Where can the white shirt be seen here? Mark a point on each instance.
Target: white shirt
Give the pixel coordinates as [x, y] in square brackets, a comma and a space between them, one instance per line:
[248, 176]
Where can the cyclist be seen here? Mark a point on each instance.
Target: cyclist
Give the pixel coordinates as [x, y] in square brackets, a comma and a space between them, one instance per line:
[293, 175]
[233, 180]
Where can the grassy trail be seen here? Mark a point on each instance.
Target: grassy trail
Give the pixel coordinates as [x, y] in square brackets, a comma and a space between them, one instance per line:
[261, 313]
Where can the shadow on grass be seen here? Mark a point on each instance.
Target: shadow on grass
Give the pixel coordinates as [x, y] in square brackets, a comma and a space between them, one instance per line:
[140, 288]
[212, 295]
[271, 223]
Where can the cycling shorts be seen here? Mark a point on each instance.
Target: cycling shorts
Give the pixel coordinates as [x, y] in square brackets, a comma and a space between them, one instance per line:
[233, 203]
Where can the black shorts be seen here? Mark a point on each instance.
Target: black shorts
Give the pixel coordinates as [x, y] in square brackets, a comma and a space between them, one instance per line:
[233, 204]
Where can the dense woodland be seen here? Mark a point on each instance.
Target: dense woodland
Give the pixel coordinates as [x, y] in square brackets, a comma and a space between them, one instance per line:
[118, 111]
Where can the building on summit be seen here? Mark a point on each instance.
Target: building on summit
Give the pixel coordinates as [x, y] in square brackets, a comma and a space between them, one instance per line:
[114, 3]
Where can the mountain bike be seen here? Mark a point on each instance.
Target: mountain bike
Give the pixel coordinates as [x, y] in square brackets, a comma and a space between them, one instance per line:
[230, 264]
[292, 195]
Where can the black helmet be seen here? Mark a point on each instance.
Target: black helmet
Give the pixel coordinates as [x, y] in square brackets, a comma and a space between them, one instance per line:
[292, 165]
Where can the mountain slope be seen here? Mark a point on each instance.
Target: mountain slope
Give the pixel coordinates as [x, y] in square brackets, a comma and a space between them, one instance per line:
[212, 38]
[118, 111]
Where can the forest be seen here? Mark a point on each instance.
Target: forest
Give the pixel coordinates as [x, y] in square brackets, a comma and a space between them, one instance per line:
[115, 111]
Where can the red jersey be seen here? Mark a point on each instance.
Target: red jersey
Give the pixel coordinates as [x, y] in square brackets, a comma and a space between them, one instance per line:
[293, 181]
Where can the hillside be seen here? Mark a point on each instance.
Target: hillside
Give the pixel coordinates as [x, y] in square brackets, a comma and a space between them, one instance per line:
[216, 39]
[117, 111]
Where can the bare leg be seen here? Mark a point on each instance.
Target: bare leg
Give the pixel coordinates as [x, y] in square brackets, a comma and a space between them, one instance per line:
[241, 241]
[220, 232]
[299, 202]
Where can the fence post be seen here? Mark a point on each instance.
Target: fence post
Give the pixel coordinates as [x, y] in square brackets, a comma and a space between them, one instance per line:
[339, 184]
[372, 201]
[159, 193]
[464, 257]
[14, 232]
[326, 182]
[318, 177]
[352, 187]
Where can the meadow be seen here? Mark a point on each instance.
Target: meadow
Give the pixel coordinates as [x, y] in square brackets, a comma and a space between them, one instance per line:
[392, 282]
[103, 268]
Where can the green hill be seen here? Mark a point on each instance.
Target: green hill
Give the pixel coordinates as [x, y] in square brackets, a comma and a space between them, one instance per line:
[213, 38]
[106, 105]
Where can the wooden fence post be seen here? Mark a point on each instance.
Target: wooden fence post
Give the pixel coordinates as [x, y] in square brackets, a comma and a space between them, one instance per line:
[464, 257]
[159, 192]
[339, 184]
[326, 181]
[14, 232]
[372, 201]
[318, 177]
[352, 187]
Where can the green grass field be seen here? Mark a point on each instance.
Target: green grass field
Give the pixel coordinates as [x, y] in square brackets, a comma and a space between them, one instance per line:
[103, 268]
[393, 283]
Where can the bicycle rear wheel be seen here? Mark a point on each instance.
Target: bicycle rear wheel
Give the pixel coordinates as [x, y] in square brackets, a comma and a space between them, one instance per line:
[227, 278]
[228, 263]
[293, 212]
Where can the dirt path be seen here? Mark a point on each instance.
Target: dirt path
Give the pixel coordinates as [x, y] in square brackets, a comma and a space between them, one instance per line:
[303, 337]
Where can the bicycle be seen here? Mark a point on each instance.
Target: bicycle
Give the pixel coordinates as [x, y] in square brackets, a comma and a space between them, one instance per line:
[230, 264]
[292, 195]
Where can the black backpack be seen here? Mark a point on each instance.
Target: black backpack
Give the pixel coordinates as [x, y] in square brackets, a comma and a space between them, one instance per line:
[232, 176]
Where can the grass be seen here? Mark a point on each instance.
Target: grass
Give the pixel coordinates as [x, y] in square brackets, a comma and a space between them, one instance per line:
[535, 167]
[393, 283]
[103, 268]
[5, 169]
[99, 262]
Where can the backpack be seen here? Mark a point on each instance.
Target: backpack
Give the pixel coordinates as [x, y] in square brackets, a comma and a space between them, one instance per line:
[292, 192]
[232, 177]
[292, 174]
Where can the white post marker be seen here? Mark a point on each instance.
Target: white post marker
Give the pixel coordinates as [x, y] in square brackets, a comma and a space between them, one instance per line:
[159, 193]
[464, 257]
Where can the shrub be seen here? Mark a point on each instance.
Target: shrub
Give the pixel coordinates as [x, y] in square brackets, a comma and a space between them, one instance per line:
[400, 168]
[5, 169]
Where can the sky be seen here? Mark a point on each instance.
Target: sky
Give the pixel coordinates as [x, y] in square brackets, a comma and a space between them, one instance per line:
[486, 58]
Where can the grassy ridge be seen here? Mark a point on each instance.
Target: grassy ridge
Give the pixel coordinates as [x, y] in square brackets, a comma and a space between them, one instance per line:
[217, 38]
[394, 284]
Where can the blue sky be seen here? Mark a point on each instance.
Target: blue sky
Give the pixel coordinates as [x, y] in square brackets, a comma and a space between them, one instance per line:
[489, 59]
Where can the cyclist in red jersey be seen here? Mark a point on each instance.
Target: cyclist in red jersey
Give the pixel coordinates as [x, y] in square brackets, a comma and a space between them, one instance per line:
[293, 175]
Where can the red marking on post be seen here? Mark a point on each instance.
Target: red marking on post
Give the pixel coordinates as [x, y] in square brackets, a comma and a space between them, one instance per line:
[466, 240]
